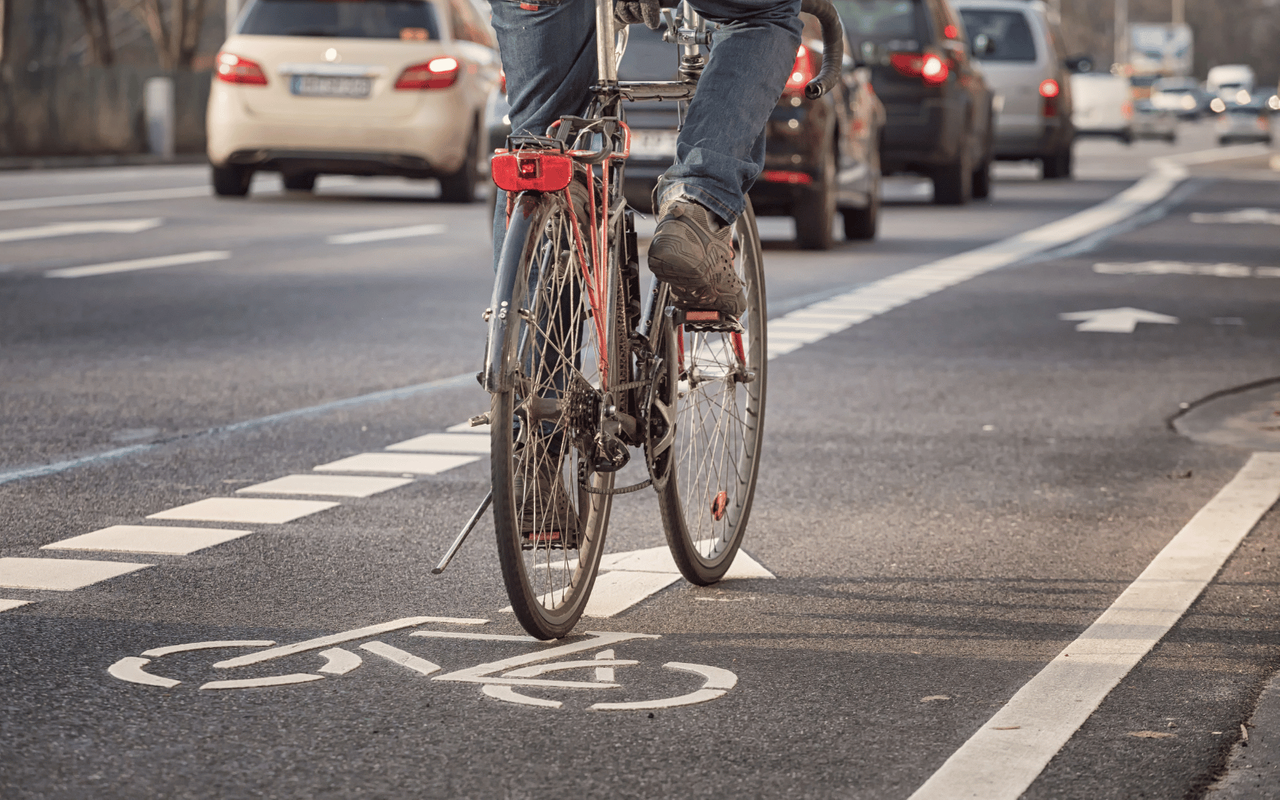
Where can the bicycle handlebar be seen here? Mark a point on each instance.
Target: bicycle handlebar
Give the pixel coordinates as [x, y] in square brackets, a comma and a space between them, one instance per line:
[832, 47]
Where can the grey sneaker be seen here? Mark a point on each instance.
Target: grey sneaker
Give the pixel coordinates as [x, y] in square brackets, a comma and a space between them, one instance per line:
[547, 518]
[696, 260]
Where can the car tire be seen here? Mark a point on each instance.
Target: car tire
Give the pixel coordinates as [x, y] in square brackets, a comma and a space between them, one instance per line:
[953, 183]
[860, 224]
[982, 181]
[460, 187]
[1057, 165]
[299, 181]
[815, 214]
[232, 180]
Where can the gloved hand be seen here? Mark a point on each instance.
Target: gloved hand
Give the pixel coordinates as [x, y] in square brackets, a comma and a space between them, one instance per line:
[630, 12]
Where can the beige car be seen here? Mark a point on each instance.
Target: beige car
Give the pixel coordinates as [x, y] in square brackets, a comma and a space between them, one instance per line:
[353, 87]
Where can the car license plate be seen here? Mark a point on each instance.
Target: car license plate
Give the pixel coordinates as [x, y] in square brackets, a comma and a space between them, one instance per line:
[330, 86]
[653, 144]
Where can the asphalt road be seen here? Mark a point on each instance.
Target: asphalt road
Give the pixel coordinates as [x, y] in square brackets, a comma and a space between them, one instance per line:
[953, 491]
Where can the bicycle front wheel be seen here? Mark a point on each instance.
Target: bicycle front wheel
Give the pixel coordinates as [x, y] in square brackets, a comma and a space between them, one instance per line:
[550, 507]
[718, 397]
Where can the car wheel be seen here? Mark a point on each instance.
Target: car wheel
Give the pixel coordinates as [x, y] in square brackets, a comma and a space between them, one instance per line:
[299, 181]
[816, 212]
[860, 223]
[953, 183]
[1057, 165]
[460, 187]
[982, 181]
[232, 180]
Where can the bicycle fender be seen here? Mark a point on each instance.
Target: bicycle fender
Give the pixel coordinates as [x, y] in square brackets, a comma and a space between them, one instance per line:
[495, 377]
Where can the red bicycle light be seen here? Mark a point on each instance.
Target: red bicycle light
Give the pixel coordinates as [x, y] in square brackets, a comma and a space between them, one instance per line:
[532, 170]
[527, 167]
[438, 73]
[1049, 88]
[234, 69]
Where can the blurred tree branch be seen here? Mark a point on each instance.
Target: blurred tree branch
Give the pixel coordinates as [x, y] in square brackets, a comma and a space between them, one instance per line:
[174, 26]
[94, 15]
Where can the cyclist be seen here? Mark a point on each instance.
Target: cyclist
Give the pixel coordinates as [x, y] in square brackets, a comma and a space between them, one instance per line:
[549, 54]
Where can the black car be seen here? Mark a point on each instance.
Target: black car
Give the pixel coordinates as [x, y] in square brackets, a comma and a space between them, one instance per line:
[821, 156]
[937, 102]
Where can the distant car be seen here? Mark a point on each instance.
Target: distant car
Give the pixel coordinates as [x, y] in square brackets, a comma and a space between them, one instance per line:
[1228, 80]
[1103, 105]
[939, 115]
[1245, 122]
[1150, 122]
[1019, 45]
[352, 87]
[1182, 96]
[822, 157]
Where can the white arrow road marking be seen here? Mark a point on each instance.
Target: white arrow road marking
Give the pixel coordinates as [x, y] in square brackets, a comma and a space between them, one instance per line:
[1222, 269]
[1116, 320]
[385, 234]
[1009, 751]
[1242, 216]
[138, 264]
[74, 228]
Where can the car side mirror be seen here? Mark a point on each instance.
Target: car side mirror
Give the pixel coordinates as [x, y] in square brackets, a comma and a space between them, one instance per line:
[983, 45]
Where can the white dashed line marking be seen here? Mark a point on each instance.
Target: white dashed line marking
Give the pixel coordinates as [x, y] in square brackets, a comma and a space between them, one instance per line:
[398, 463]
[245, 510]
[78, 228]
[6, 605]
[386, 234]
[331, 485]
[60, 574]
[148, 539]
[1011, 749]
[445, 443]
[104, 198]
[139, 264]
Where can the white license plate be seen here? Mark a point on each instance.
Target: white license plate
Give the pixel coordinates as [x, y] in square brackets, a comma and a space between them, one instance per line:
[330, 86]
[653, 144]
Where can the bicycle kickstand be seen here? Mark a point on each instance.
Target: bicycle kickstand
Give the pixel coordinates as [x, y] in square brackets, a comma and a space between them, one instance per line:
[462, 537]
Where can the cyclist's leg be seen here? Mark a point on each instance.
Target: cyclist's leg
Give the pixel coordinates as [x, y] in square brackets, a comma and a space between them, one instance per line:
[549, 56]
[721, 147]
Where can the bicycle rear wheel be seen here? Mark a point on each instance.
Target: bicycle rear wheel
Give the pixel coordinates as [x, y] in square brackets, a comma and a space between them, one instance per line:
[550, 530]
[718, 399]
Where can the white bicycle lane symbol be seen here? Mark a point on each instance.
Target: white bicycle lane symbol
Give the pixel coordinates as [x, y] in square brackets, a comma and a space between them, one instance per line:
[498, 679]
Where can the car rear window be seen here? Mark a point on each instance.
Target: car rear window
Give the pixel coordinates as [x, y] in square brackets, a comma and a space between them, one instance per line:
[412, 20]
[883, 21]
[1009, 32]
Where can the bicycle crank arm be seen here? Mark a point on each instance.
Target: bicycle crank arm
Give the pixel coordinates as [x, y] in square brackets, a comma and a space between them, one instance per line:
[462, 537]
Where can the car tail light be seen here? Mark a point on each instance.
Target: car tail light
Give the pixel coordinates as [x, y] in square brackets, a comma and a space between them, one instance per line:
[438, 73]
[951, 32]
[926, 66]
[1050, 90]
[802, 72]
[785, 176]
[1126, 110]
[234, 69]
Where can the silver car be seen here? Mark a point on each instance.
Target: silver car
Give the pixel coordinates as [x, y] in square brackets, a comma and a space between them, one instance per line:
[1020, 46]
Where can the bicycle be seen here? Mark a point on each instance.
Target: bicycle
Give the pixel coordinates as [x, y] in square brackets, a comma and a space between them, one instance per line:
[580, 373]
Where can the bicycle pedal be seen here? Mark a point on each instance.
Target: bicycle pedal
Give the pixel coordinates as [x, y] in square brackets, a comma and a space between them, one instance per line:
[707, 321]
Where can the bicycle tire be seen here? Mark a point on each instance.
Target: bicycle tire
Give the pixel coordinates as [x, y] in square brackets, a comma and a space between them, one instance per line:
[719, 424]
[541, 423]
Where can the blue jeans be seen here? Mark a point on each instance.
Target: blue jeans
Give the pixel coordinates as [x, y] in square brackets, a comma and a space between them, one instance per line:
[549, 55]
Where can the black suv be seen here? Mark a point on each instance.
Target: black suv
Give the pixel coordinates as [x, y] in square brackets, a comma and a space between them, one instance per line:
[937, 102]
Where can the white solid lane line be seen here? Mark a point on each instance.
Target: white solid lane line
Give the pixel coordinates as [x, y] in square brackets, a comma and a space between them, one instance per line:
[148, 539]
[386, 234]
[136, 264]
[105, 198]
[1011, 749]
[60, 574]
[77, 228]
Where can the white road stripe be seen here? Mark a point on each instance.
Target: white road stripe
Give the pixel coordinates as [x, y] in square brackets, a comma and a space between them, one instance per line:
[5, 605]
[331, 485]
[398, 656]
[245, 510]
[105, 198]
[76, 228]
[148, 539]
[386, 234]
[139, 264]
[411, 463]
[445, 443]
[60, 574]
[1006, 755]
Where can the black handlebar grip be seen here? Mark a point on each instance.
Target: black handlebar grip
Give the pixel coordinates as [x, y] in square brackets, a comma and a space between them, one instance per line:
[832, 47]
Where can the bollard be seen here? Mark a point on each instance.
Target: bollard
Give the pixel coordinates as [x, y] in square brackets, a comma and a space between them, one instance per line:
[158, 111]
